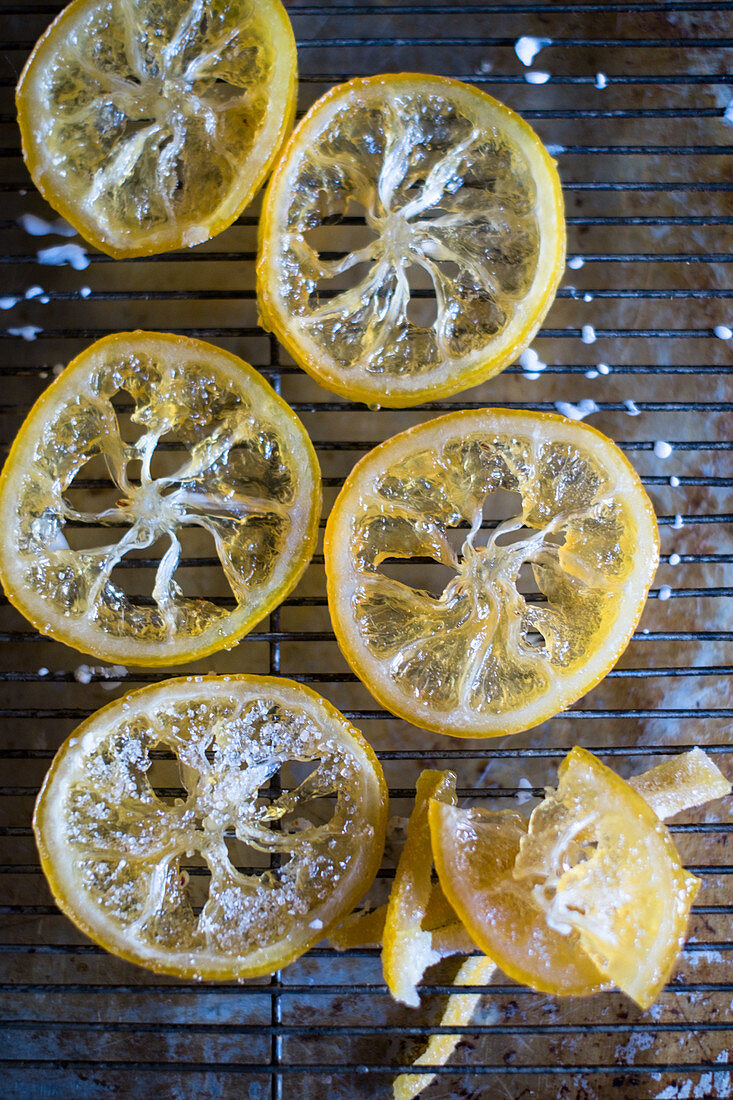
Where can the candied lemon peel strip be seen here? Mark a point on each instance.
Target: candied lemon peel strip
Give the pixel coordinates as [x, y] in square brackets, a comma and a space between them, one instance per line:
[150, 126]
[362, 929]
[408, 948]
[115, 853]
[186, 441]
[687, 780]
[458, 1013]
[450, 180]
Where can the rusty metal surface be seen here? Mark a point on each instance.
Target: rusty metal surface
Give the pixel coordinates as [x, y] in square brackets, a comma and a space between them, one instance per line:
[645, 163]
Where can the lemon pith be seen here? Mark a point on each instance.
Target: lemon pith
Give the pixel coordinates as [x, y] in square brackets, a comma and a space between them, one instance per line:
[486, 656]
[453, 183]
[149, 126]
[216, 452]
[112, 846]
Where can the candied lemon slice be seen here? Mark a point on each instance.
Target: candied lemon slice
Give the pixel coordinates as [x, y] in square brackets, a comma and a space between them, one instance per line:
[534, 610]
[605, 869]
[408, 948]
[150, 126]
[114, 845]
[457, 191]
[184, 441]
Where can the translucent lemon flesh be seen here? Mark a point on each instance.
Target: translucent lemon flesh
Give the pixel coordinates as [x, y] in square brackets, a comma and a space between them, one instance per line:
[457, 193]
[150, 125]
[185, 437]
[114, 846]
[535, 608]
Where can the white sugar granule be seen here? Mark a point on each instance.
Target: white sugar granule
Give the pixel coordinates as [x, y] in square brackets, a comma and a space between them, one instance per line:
[577, 412]
[28, 332]
[527, 47]
[60, 254]
[39, 227]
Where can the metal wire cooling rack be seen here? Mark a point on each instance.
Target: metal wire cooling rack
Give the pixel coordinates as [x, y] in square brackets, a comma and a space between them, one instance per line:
[644, 154]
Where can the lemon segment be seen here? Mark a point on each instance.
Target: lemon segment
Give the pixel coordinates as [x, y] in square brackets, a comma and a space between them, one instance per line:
[113, 848]
[183, 437]
[456, 190]
[150, 126]
[475, 852]
[536, 608]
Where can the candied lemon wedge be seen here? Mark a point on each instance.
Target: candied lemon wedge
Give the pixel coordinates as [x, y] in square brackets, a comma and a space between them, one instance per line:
[590, 891]
[475, 852]
[456, 191]
[604, 868]
[535, 608]
[151, 125]
[154, 877]
[147, 444]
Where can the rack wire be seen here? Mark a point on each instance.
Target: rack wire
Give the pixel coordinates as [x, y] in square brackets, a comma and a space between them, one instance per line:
[645, 164]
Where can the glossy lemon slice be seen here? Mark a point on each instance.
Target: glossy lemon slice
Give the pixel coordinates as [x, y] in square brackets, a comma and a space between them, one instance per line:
[150, 126]
[151, 870]
[144, 442]
[530, 611]
[606, 870]
[456, 191]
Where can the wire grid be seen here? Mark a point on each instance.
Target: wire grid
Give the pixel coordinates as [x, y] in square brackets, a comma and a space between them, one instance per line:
[646, 172]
